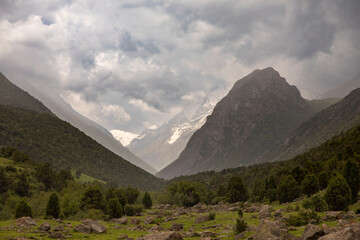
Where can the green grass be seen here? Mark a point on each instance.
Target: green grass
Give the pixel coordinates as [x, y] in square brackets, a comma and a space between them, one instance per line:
[86, 178]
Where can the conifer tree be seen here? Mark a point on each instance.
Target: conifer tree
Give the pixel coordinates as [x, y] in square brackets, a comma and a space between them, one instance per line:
[146, 200]
[310, 185]
[237, 191]
[351, 174]
[338, 194]
[288, 189]
[53, 206]
[23, 209]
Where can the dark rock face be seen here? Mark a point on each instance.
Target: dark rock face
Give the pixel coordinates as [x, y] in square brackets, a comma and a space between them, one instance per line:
[260, 109]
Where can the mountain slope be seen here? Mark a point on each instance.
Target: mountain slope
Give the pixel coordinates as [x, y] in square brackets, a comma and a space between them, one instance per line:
[321, 127]
[160, 147]
[65, 112]
[11, 95]
[343, 90]
[46, 138]
[260, 109]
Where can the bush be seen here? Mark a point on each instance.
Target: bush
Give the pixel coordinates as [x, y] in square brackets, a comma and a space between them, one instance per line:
[23, 209]
[53, 207]
[240, 226]
[323, 179]
[315, 203]
[338, 194]
[115, 208]
[240, 213]
[94, 214]
[10, 168]
[131, 194]
[310, 185]
[302, 218]
[69, 207]
[22, 186]
[146, 201]
[131, 210]
[93, 198]
[212, 215]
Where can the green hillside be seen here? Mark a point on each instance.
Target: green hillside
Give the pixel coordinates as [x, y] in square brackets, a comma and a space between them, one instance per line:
[50, 140]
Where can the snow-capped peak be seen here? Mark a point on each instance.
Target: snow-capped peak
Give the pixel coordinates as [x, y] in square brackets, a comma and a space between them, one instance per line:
[124, 137]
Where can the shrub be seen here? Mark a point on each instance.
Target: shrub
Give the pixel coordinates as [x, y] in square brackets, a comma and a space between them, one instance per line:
[302, 218]
[131, 210]
[338, 194]
[69, 207]
[115, 208]
[94, 214]
[240, 226]
[131, 194]
[351, 174]
[212, 215]
[10, 168]
[146, 201]
[22, 186]
[315, 203]
[93, 198]
[240, 213]
[23, 209]
[323, 179]
[53, 207]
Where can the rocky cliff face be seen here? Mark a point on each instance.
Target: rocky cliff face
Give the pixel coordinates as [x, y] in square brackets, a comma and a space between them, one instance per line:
[260, 109]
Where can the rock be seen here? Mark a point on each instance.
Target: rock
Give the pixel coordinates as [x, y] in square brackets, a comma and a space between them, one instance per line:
[156, 228]
[239, 236]
[149, 220]
[349, 216]
[135, 221]
[207, 234]
[176, 227]
[264, 212]
[45, 226]
[82, 228]
[122, 221]
[278, 213]
[270, 230]
[191, 234]
[202, 219]
[56, 235]
[312, 232]
[233, 209]
[254, 208]
[164, 236]
[25, 221]
[169, 218]
[59, 228]
[138, 228]
[348, 233]
[343, 222]
[333, 215]
[123, 237]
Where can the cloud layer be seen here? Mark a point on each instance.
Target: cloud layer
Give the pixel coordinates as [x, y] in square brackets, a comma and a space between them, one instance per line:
[133, 64]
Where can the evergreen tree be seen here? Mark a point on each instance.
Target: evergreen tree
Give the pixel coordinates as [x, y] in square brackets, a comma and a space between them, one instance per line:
[270, 189]
[351, 174]
[23, 209]
[323, 179]
[236, 189]
[53, 206]
[92, 199]
[146, 200]
[132, 194]
[338, 194]
[46, 175]
[310, 185]
[288, 189]
[221, 191]
[115, 208]
[120, 194]
[4, 181]
[22, 186]
[298, 174]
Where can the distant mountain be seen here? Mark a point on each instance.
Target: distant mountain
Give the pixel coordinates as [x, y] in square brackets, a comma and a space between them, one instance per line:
[11, 95]
[46, 138]
[321, 127]
[161, 146]
[260, 110]
[342, 90]
[124, 137]
[65, 112]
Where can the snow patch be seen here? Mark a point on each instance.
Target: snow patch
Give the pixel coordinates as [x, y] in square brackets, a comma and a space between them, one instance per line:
[124, 137]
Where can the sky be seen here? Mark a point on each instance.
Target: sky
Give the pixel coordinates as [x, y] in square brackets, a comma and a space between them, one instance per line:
[133, 64]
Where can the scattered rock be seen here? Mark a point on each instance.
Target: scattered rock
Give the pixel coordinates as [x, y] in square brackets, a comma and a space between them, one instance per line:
[270, 230]
[149, 220]
[169, 218]
[123, 237]
[135, 221]
[56, 235]
[156, 228]
[122, 221]
[25, 221]
[264, 212]
[191, 234]
[333, 215]
[278, 213]
[45, 227]
[348, 233]
[239, 236]
[254, 208]
[233, 209]
[59, 228]
[138, 228]
[202, 219]
[164, 236]
[90, 226]
[82, 228]
[176, 227]
[312, 232]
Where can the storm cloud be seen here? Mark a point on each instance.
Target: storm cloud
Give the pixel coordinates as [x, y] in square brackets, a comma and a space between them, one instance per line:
[132, 64]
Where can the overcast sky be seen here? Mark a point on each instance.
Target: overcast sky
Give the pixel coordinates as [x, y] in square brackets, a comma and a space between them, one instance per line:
[131, 64]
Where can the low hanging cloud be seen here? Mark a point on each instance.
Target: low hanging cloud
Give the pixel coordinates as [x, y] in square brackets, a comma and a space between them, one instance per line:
[138, 63]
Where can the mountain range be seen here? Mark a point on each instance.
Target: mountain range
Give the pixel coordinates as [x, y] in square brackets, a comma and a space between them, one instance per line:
[259, 112]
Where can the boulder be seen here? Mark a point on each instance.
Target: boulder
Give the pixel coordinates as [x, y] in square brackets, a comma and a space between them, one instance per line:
[45, 227]
[57, 235]
[156, 228]
[254, 208]
[90, 226]
[176, 227]
[233, 209]
[122, 221]
[333, 215]
[25, 221]
[135, 221]
[123, 237]
[149, 220]
[348, 233]
[312, 232]
[82, 228]
[164, 236]
[264, 212]
[59, 228]
[201, 219]
[278, 213]
[270, 230]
